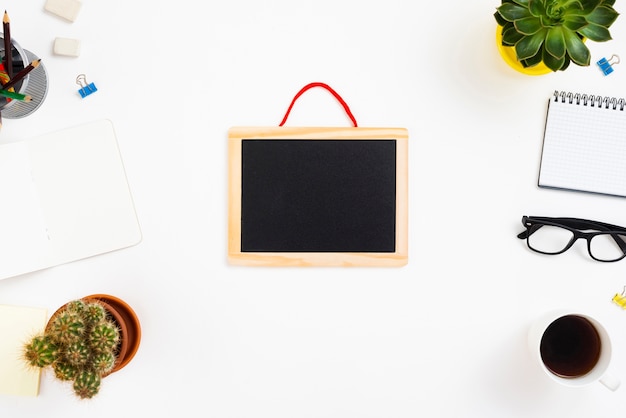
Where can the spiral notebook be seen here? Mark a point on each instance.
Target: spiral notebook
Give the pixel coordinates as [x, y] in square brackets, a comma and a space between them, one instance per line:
[584, 144]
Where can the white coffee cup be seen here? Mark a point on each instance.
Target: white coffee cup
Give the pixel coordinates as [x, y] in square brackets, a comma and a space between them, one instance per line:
[568, 350]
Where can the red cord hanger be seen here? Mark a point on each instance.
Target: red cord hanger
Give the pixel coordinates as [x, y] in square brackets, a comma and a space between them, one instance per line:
[327, 87]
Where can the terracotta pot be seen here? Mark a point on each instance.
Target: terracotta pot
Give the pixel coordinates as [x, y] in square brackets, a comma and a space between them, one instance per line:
[129, 325]
[124, 316]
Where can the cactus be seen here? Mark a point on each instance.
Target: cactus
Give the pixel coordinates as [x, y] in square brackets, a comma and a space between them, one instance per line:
[78, 354]
[80, 344]
[76, 306]
[104, 362]
[87, 384]
[64, 371]
[41, 351]
[67, 327]
[95, 313]
[104, 337]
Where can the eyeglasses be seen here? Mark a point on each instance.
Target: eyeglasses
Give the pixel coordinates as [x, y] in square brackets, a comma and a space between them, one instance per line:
[556, 235]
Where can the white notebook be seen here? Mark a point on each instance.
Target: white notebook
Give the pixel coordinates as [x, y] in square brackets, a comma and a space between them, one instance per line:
[584, 144]
[64, 197]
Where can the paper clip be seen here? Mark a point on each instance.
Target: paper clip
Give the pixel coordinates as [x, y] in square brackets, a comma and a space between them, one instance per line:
[620, 298]
[85, 88]
[607, 65]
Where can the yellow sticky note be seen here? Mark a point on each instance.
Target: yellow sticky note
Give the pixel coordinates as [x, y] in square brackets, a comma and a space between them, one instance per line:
[17, 325]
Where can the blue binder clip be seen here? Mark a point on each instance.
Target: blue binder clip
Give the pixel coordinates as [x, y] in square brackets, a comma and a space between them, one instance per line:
[85, 88]
[607, 65]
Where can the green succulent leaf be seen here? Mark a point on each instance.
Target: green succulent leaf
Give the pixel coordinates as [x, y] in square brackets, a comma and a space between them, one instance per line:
[528, 25]
[575, 23]
[555, 42]
[589, 5]
[510, 35]
[576, 49]
[574, 7]
[521, 2]
[595, 33]
[532, 61]
[536, 8]
[552, 62]
[512, 12]
[528, 46]
[603, 15]
[608, 2]
[499, 19]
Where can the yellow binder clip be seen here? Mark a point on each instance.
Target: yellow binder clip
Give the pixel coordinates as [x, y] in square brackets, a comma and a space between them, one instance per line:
[620, 298]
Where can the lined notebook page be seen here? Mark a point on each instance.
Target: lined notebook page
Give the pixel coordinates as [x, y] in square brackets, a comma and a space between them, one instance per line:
[584, 147]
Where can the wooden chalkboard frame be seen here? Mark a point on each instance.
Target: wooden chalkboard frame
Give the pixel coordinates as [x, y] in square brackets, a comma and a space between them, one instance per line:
[236, 256]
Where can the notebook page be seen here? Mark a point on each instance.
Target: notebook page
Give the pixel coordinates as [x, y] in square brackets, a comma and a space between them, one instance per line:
[584, 148]
[23, 235]
[85, 197]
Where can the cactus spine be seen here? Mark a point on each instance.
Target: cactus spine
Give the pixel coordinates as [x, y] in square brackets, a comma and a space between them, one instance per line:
[80, 344]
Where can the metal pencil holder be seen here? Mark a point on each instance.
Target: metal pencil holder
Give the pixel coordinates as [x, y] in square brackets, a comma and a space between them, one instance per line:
[34, 84]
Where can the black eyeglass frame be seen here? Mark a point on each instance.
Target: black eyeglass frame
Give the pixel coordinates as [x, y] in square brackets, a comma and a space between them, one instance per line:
[574, 225]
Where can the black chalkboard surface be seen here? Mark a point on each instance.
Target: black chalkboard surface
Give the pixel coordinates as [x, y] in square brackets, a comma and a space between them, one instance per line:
[318, 196]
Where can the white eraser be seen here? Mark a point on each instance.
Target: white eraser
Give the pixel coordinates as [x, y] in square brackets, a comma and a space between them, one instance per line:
[66, 46]
[67, 9]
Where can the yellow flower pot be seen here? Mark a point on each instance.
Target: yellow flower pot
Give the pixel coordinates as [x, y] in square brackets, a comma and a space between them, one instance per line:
[510, 57]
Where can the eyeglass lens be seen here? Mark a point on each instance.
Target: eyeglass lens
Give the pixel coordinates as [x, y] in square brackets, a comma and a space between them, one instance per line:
[550, 239]
[604, 246]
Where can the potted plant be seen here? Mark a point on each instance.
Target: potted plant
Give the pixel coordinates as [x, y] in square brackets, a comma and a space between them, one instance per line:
[85, 340]
[553, 32]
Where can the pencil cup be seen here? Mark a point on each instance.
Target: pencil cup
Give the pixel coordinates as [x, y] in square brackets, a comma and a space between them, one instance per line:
[34, 84]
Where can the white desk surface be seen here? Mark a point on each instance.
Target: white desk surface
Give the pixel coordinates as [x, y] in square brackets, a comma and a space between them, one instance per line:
[444, 336]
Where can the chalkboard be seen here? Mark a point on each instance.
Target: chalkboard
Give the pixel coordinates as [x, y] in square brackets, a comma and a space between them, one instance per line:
[318, 196]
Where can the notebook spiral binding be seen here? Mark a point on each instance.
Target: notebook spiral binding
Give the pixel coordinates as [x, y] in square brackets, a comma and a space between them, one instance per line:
[590, 100]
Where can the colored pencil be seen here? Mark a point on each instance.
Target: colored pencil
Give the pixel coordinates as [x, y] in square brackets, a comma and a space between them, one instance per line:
[8, 53]
[4, 77]
[22, 74]
[15, 95]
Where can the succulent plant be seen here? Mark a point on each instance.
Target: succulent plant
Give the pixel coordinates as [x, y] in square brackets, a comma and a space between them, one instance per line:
[553, 31]
[80, 344]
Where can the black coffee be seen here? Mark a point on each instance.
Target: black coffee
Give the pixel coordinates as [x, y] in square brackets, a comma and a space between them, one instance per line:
[570, 346]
